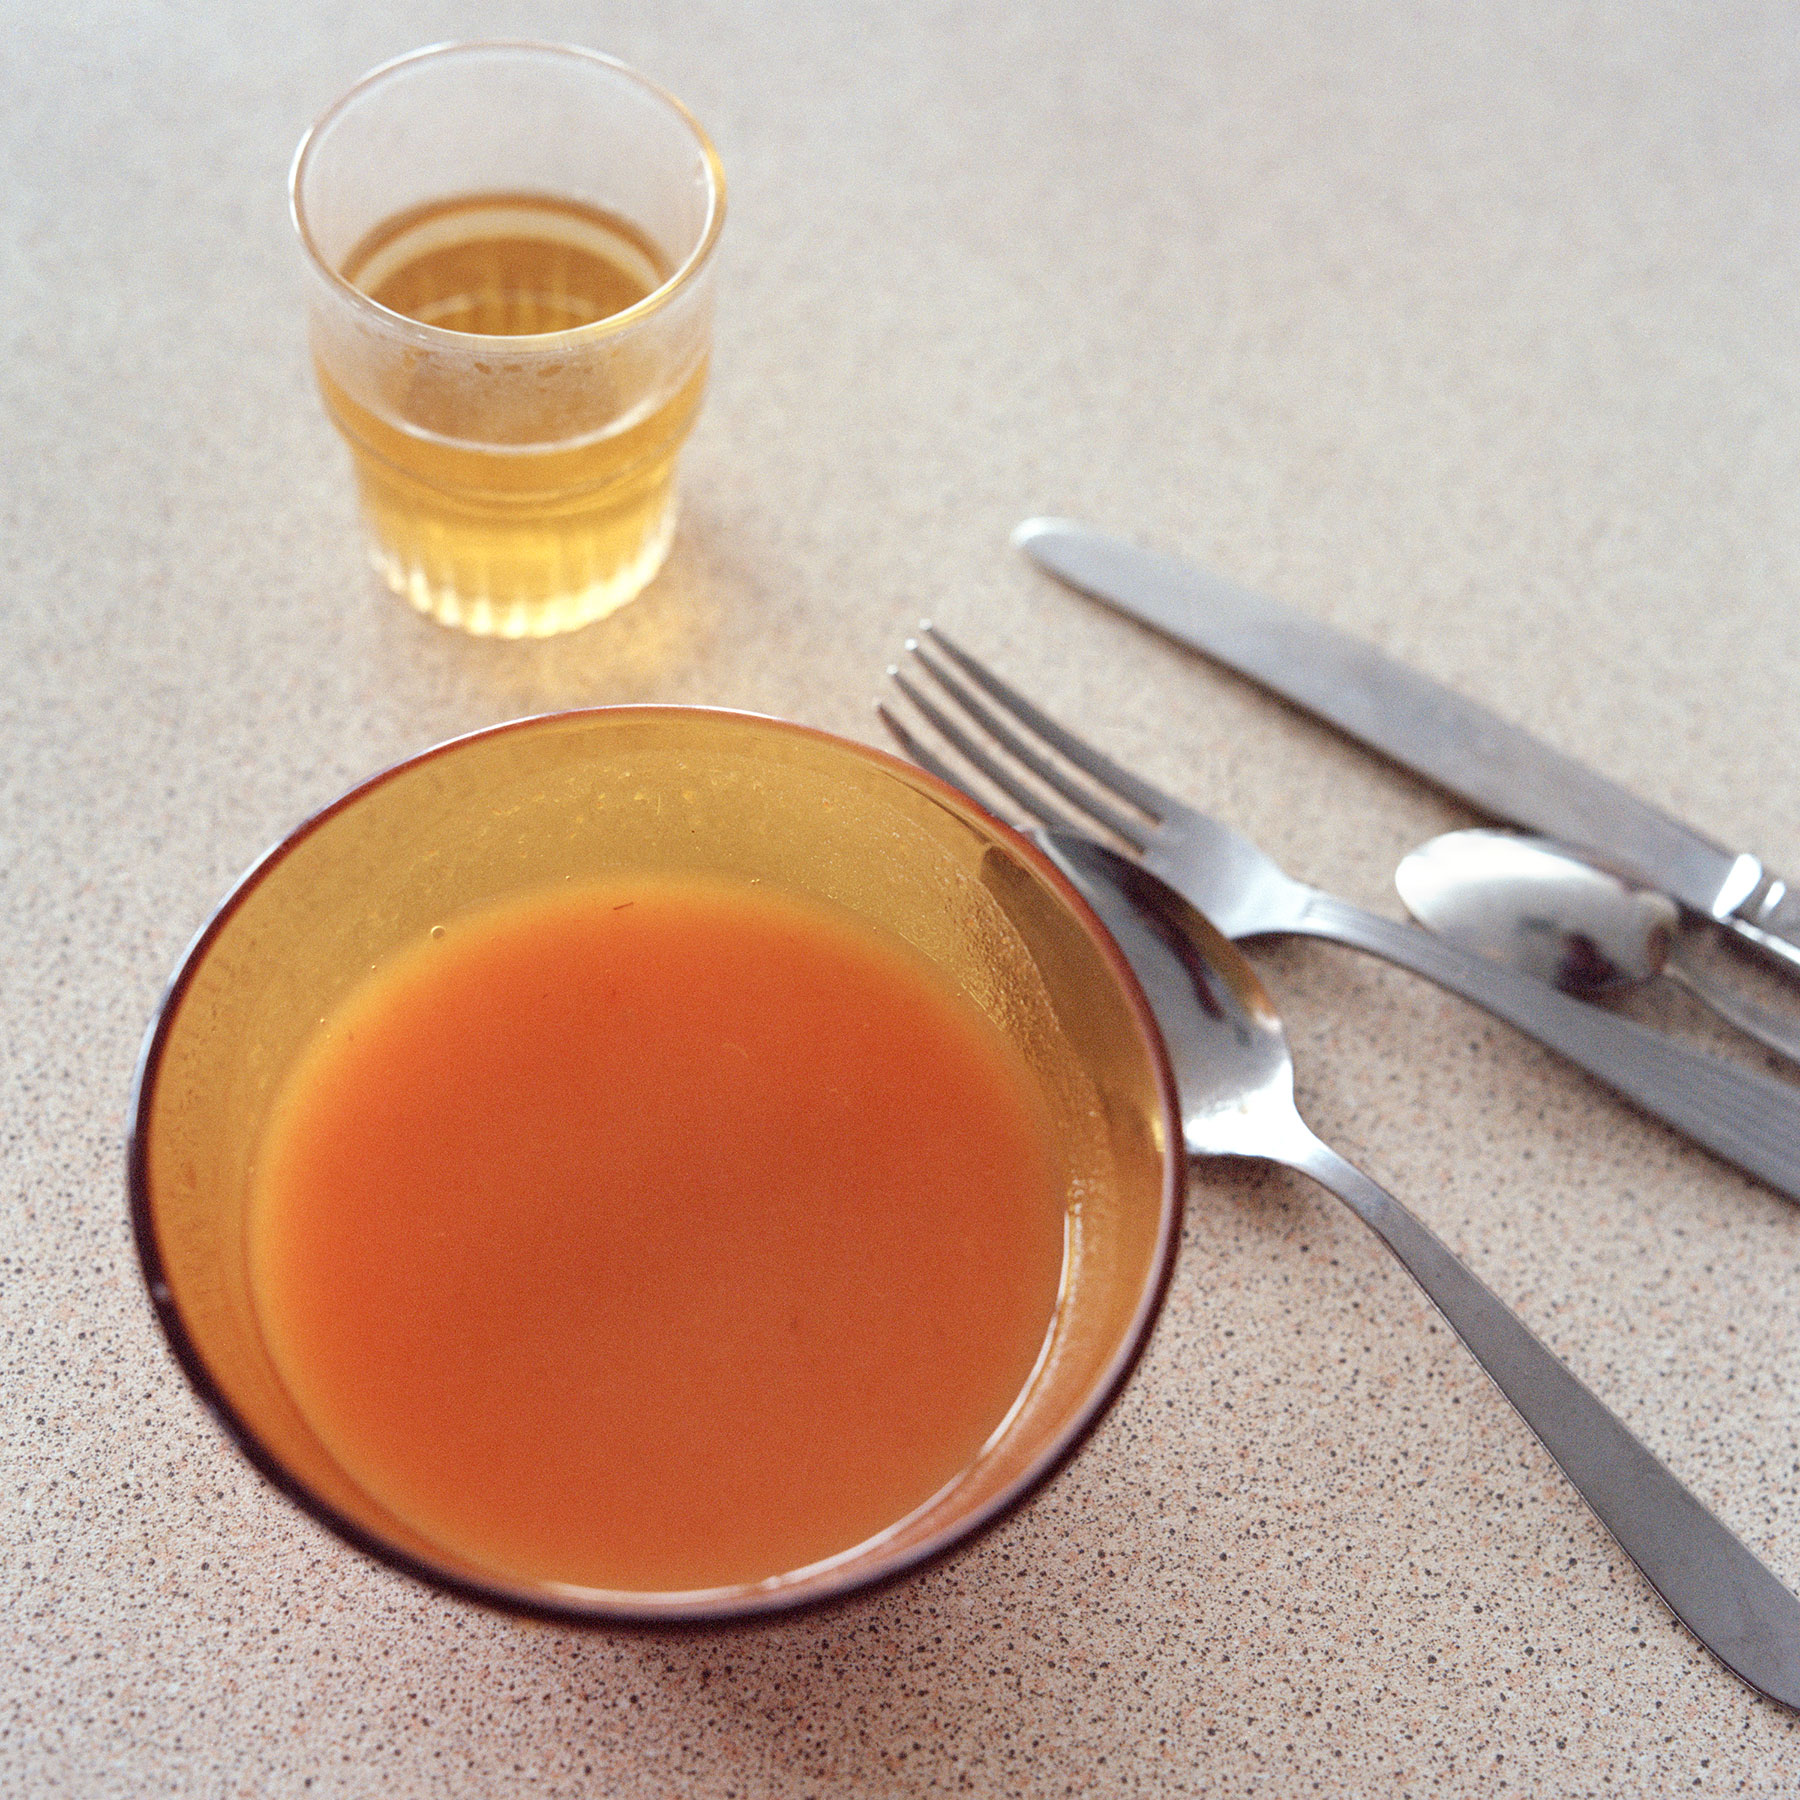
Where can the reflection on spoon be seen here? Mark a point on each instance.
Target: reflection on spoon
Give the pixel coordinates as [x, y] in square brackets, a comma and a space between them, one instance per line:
[1236, 1078]
[1539, 908]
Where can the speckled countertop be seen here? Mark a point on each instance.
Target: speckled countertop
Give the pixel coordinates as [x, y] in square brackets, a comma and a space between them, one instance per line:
[1470, 329]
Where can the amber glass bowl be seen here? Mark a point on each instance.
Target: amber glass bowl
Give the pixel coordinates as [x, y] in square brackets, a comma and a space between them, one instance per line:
[639, 789]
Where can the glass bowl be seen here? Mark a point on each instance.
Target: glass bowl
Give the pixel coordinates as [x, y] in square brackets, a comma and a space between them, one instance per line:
[618, 791]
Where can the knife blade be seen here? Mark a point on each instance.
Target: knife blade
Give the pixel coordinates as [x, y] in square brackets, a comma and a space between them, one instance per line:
[1407, 717]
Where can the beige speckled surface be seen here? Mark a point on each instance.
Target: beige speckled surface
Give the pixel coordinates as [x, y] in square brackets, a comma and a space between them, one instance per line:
[1471, 329]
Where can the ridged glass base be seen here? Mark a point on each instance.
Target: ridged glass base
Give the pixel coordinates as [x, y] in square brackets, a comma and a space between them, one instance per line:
[527, 581]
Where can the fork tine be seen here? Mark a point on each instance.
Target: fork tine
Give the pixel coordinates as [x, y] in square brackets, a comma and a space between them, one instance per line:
[1139, 792]
[1079, 795]
[917, 750]
[1033, 804]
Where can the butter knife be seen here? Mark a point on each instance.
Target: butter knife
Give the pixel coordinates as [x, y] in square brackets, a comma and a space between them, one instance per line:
[1496, 767]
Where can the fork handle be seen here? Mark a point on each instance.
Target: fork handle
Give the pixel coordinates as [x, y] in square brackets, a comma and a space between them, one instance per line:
[1747, 1119]
[1711, 1581]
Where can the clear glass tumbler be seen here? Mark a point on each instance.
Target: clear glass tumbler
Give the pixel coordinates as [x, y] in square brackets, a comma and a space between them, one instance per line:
[510, 255]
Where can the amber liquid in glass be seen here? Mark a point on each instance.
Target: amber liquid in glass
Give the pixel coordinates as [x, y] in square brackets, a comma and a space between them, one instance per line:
[534, 536]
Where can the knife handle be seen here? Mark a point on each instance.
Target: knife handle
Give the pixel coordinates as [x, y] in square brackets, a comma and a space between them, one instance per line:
[1747, 1119]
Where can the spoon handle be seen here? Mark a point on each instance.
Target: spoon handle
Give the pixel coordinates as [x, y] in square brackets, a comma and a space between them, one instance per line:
[1774, 1031]
[1748, 1119]
[1711, 1582]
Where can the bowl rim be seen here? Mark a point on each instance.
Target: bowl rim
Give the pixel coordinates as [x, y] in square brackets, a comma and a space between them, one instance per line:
[734, 1605]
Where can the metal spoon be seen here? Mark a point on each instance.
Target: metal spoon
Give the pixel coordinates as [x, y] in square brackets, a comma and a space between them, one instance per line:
[1539, 908]
[1236, 1077]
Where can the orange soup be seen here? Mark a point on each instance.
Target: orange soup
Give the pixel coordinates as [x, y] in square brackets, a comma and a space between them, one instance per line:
[659, 1236]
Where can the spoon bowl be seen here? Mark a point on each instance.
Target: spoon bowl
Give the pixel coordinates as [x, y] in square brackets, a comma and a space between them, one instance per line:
[1527, 902]
[1543, 910]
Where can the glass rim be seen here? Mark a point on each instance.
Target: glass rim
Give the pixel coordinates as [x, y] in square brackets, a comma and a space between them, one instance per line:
[824, 1583]
[614, 324]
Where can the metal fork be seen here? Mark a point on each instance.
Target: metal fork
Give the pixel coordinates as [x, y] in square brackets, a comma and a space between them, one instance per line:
[1057, 780]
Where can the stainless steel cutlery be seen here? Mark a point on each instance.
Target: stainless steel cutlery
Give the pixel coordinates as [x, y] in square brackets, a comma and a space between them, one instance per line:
[1425, 727]
[1064, 783]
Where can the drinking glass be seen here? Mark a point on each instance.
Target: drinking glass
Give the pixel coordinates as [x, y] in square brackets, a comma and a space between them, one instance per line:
[510, 251]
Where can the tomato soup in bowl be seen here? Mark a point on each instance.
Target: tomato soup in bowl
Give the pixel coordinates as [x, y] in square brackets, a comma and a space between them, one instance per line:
[655, 1163]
